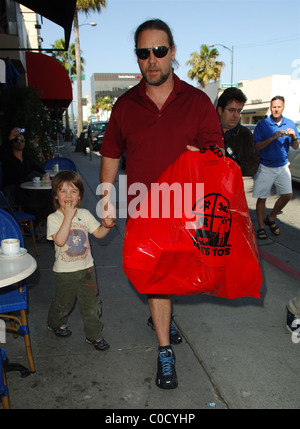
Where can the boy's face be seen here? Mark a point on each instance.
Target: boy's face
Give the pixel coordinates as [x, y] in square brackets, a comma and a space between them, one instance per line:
[68, 194]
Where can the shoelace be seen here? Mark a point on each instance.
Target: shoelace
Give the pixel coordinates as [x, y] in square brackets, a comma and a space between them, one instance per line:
[167, 364]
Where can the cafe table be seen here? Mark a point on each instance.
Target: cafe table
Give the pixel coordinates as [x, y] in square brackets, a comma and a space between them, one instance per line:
[36, 186]
[13, 269]
[16, 268]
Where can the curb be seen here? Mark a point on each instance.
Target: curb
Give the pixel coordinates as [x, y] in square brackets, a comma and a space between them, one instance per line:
[279, 264]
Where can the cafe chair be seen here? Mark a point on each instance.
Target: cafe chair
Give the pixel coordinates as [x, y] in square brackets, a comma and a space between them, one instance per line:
[13, 298]
[3, 386]
[63, 164]
[25, 220]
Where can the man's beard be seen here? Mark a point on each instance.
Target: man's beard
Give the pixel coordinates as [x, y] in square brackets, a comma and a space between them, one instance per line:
[162, 79]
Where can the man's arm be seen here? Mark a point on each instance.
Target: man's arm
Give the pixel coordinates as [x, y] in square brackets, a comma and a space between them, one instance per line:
[264, 143]
[295, 141]
[108, 172]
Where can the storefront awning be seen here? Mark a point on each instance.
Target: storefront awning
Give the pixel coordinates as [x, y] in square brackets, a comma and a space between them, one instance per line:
[48, 76]
[256, 106]
[59, 11]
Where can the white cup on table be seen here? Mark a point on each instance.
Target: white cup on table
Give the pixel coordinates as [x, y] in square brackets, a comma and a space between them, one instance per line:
[36, 180]
[10, 246]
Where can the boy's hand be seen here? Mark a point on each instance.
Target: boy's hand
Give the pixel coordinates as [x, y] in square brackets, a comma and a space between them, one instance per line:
[69, 210]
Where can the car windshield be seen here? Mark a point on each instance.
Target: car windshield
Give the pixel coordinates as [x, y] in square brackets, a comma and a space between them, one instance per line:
[98, 127]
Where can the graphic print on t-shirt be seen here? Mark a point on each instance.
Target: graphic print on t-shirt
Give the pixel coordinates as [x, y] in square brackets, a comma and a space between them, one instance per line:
[77, 245]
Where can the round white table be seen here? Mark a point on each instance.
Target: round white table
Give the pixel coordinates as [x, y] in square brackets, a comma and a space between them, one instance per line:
[12, 270]
[16, 268]
[36, 186]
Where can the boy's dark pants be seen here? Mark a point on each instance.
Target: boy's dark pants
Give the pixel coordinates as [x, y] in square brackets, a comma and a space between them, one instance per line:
[80, 285]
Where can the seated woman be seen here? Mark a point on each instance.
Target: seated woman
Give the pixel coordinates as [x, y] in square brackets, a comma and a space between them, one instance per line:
[17, 168]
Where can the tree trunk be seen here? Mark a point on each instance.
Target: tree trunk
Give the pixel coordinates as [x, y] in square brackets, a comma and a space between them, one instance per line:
[78, 74]
[67, 134]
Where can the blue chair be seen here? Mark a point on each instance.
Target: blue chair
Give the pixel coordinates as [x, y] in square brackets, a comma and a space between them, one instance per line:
[1, 174]
[14, 297]
[25, 220]
[3, 386]
[64, 164]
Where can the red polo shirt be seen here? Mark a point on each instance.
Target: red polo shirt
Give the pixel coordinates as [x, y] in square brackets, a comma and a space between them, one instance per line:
[152, 138]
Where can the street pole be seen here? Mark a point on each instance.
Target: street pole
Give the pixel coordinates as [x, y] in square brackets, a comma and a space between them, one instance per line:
[78, 71]
[232, 65]
[72, 112]
[231, 52]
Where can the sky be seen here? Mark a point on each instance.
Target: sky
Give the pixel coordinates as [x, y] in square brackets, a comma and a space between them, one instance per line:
[264, 35]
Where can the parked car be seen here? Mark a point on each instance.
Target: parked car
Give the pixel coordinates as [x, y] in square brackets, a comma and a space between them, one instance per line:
[82, 142]
[96, 131]
[294, 159]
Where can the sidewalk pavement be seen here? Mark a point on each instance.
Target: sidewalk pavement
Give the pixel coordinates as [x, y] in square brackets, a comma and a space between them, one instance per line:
[236, 354]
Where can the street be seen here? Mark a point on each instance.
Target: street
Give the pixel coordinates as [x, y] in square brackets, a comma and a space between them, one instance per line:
[236, 354]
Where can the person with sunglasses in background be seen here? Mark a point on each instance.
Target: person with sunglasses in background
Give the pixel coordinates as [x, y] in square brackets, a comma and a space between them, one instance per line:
[155, 122]
[273, 137]
[18, 167]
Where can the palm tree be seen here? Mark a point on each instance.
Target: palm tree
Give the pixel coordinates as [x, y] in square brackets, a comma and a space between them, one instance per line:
[65, 57]
[204, 65]
[105, 104]
[85, 6]
[67, 60]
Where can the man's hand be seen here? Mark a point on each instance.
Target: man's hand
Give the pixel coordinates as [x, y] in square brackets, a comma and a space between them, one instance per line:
[108, 213]
[108, 222]
[192, 148]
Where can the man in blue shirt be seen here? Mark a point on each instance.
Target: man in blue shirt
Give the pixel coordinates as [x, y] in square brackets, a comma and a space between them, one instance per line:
[273, 137]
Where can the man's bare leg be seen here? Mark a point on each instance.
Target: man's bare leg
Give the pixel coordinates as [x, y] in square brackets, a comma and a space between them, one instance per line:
[279, 205]
[260, 211]
[160, 309]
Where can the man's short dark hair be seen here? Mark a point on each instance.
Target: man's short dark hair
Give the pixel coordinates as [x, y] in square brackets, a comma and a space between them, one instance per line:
[278, 97]
[154, 24]
[231, 94]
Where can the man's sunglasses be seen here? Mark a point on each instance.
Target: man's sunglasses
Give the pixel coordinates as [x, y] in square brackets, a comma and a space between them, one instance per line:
[158, 51]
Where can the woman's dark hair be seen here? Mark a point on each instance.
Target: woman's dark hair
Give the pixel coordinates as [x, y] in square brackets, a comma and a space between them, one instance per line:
[154, 24]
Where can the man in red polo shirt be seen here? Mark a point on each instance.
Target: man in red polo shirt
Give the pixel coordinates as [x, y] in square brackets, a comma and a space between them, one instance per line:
[155, 122]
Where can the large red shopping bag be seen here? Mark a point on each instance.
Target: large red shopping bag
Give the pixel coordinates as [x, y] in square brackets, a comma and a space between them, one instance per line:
[192, 233]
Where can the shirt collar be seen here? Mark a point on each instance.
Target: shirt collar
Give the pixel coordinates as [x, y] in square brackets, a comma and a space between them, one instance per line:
[272, 122]
[232, 132]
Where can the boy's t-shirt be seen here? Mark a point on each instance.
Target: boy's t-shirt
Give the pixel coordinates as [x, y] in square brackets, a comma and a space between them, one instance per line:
[75, 255]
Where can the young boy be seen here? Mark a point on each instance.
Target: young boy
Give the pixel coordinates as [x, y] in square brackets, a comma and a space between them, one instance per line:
[74, 272]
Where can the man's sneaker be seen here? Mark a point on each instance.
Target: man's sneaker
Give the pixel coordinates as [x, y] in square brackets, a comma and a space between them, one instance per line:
[98, 344]
[175, 336]
[63, 331]
[292, 322]
[166, 375]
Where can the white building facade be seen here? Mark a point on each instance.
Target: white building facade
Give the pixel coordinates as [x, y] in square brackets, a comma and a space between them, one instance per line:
[259, 93]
